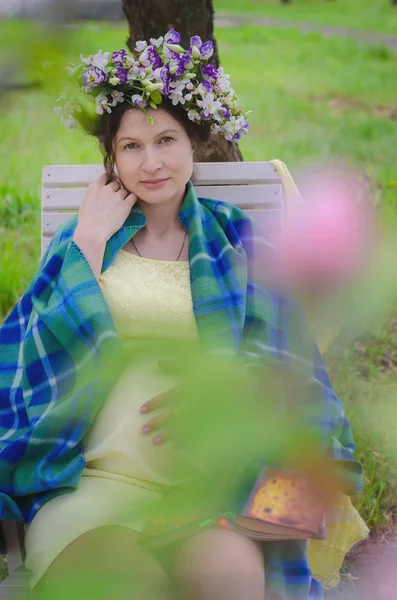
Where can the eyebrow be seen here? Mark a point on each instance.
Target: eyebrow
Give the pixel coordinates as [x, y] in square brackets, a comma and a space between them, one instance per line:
[129, 137]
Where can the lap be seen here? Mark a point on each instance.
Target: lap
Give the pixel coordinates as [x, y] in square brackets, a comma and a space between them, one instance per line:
[105, 556]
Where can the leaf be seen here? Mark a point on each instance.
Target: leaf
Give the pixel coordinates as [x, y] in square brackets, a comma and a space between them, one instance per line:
[156, 97]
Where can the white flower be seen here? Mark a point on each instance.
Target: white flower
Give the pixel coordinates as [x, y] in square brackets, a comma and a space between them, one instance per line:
[117, 97]
[188, 97]
[102, 103]
[63, 96]
[140, 46]
[210, 106]
[178, 86]
[227, 127]
[193, 115]
[144, 58]
[128, 62]
[70, 69]
[215, 128]
[114, 80]
[137, 99]
[86, 61]
[176, 98]
[100, 60]
[157, 42]
[71, 123]
[189, 86]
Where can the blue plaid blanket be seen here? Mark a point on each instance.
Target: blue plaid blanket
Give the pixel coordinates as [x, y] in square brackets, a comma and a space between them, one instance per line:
[54, 343]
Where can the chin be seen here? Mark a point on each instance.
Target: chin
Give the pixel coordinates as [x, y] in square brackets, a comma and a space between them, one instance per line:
[167, 192]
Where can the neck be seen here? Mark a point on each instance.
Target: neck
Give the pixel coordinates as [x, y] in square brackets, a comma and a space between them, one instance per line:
[162, 218]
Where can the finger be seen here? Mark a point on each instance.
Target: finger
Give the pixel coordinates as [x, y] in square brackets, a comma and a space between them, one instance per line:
[131, 199]
[158, 401]
[114, 185]
[103, 179]
[156, 423]
[122, 193]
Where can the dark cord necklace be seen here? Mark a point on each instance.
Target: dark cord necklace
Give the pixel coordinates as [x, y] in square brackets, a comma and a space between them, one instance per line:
[180, 252]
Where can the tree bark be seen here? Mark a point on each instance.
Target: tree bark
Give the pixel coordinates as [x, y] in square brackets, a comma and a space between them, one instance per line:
[153, 18]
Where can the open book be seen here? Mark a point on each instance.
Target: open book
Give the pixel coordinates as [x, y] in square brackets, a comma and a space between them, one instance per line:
[280, 506]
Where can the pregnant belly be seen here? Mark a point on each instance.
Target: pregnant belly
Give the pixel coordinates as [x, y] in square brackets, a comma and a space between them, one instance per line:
[116, 444]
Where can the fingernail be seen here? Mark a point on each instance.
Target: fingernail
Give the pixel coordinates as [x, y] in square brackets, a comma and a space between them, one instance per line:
[157, 440]
[147, 429]
[144, 409]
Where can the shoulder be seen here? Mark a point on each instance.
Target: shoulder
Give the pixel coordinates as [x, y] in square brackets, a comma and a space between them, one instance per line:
[225, 212]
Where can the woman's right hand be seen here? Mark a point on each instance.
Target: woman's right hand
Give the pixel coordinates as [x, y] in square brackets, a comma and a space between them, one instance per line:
[105, 208]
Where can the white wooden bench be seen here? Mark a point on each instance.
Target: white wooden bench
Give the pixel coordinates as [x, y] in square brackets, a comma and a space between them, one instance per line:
[254, 186]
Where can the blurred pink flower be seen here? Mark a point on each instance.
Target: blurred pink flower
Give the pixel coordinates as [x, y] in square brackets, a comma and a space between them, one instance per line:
[326, 239]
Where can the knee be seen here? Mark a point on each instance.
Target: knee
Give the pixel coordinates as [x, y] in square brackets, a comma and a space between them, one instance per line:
[220, 554]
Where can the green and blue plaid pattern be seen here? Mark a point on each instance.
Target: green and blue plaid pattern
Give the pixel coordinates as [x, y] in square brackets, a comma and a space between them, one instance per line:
[54, 342]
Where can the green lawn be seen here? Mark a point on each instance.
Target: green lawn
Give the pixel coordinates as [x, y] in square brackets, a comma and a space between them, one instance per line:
[366, 15]
[311, 98]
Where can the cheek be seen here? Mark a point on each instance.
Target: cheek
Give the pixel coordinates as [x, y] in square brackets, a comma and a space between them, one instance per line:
[181, 160]
[126, 165]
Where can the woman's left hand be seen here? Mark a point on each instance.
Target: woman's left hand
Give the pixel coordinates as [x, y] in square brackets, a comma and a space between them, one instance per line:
[158, 426]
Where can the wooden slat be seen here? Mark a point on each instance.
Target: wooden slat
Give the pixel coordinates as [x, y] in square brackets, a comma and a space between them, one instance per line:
[45, 242]
[241, 195]
[244, 195]
[225, 173]
[51, 221]
[230, 173]
[269, 218]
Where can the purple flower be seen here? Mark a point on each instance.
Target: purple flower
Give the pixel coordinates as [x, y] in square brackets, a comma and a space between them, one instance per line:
[209, 71]
[172, 37]
[207, 50]
[93, 77]
[236, 137]
[118, 57]
[226, 114]
[205, 117]
[196, 41]
[122, 75]
[181, 67]
[206, 85]
[154, 57]
[137, 100]
[182, 62]
[185, 58]
[166, 78]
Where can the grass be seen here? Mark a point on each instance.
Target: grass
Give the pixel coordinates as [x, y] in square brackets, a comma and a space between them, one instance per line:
[365, 15]
[312, 98]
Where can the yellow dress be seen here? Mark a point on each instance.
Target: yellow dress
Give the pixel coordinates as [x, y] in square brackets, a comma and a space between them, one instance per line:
[125, 471]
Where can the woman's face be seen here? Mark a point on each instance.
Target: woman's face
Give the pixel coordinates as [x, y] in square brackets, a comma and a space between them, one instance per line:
[153, 161]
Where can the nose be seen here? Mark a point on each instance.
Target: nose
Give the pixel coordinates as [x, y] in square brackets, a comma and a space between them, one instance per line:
[151, 160]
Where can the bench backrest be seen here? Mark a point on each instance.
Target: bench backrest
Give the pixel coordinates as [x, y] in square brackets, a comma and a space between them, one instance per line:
[253, 186]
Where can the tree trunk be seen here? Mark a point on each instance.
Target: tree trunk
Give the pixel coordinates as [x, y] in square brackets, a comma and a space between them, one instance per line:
[153, 18]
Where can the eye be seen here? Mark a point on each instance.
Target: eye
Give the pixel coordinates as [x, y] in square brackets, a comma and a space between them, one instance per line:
[130, 144]
[167, 139]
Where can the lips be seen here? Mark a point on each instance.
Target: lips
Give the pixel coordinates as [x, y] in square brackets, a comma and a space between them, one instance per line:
[155, 180]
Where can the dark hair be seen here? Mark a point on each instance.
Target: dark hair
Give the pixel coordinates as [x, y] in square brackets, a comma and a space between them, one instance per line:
[105, 129]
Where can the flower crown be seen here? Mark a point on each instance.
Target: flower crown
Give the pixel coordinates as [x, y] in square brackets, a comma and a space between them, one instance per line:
[162, 69]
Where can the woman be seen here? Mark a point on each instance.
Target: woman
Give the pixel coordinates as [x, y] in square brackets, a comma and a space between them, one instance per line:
[145, 258]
